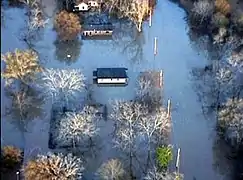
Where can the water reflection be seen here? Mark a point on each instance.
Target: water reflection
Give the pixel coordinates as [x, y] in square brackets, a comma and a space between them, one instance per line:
[130, 41]
[26, 106]
[68, 51]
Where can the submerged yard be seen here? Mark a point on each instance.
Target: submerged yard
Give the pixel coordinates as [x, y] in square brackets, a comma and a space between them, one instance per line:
[177, 56]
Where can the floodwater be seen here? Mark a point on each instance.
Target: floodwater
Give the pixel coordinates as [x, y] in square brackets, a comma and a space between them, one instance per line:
[176, 57]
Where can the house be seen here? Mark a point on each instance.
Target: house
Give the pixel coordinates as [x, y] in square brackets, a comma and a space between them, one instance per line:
[111, 76]
[93, 4]
[81, 7]
[105, 29]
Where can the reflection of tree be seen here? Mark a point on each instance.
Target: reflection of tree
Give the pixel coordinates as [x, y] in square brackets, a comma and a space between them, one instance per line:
[222, 161]
[66, 48]
[130, 41]
[26, 106]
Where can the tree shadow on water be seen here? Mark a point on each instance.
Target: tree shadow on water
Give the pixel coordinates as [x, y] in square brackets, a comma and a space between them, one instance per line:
[27, 105]
[68, 51]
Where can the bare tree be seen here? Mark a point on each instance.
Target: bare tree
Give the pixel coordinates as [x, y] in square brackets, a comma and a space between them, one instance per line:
[54, 166]
[112, 170]
[62, 84]
[134, 10]
[154, 127]
[203, 9]
[155, 174]
[126, 116]
[231, 121]
[20, 65]
[76, 127]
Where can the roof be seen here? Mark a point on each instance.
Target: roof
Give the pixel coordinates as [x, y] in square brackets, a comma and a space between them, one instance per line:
[98, 26]
[111, 73]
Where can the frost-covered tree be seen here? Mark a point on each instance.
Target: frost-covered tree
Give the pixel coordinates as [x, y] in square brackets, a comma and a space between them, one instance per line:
[230, 120]
[76, 128]
[62, 84]
[155, 174]
[55, 167]
[20, 65]
[111, 170]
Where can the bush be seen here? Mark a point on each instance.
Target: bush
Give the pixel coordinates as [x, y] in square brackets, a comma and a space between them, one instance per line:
[10, 157]
[67, 25]
[164, 156]
[219, 20]
[222, 6]
[21, 65]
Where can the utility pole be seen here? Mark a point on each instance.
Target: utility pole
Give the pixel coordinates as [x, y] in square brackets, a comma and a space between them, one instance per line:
[178, 161]
[150, 17]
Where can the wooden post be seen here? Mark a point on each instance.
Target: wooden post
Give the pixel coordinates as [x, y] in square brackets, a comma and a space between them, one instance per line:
[17, 175]
[169, 108]
[178, 160]
[161, 82]
[150, 18]
[155, 46]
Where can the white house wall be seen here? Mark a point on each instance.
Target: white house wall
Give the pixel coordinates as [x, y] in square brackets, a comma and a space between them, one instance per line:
[109, 81]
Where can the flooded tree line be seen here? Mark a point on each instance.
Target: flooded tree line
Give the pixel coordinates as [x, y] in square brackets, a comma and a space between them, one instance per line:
[140, 127]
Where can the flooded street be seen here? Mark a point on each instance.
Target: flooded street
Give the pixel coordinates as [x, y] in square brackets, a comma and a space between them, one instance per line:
[192, 132]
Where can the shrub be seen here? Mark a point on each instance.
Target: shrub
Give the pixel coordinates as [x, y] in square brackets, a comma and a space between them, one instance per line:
[55, 167]
[21, 65]
[67, 25]
[11, 156]
[219, 20]
[222, 6]
[164, 156]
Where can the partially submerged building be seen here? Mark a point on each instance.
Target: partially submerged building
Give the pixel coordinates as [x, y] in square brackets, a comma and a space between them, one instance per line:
[111, 76]
[99, 29]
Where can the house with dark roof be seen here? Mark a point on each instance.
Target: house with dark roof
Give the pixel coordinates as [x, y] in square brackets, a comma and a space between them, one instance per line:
[97, 29]
[111, 76]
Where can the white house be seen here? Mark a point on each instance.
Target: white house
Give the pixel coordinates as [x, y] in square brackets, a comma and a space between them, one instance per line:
[81, 7]
[93, 4]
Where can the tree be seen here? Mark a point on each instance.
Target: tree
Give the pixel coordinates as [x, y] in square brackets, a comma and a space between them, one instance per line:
[153, 128]
[230, 120]
[164, 156]
[155, 174]
[54, 166]
[126, 115]
[134, 10]
[67, 25]
[112, 170]
[20, 65]
[62, 84]
[140, 9]
[203, 10]
[76, 127]
[26, 106]
[68, 51]
[10, 157]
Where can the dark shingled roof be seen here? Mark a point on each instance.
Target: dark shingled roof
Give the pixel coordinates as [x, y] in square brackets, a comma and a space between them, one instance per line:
[111, 73]
[103, 27]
